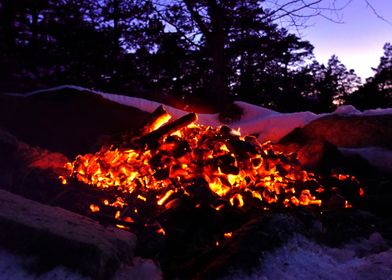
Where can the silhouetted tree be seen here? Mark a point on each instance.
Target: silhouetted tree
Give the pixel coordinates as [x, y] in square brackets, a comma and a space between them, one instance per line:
[377, 91]
[211, 25]
[209, 49]
[330, 84]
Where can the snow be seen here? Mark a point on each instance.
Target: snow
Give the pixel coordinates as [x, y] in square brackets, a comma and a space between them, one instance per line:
[378, 111]
[14, 266]
[53, 89]
[347, 110]
[302, 258]
[378, 157]
[272, 126]
[149, 106]
[299, 258]
[351, 110]
[140, 270]
[266, 124]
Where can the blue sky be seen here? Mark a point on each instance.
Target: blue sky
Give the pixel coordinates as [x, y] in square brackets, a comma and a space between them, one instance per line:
[358, 41]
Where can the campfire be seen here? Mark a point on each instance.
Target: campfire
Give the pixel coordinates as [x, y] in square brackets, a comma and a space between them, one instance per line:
[196, 200]
[174, 161]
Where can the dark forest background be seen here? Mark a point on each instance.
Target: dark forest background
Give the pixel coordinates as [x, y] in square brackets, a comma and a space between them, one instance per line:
[195, 52]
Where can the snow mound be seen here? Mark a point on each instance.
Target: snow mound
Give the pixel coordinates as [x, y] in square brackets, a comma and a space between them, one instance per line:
[273, 126]
[378, 111]
[351, 110]
[347, 110]
[53, 89]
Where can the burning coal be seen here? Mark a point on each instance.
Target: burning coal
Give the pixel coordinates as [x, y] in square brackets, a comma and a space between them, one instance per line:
[217, 167]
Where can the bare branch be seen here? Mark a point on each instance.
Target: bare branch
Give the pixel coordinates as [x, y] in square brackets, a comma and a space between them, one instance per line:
[369, 5]
[282, 7]
[295, 10]
[292, 12]
[185, 36]
[197, 18]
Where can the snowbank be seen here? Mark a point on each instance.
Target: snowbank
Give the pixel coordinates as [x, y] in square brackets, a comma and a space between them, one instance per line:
[266, 124]
[270, 125]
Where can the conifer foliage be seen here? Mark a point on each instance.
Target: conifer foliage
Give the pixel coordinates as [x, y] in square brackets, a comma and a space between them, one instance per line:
[185, 50]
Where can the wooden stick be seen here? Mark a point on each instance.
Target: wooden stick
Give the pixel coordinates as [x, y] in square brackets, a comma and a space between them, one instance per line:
[165, 130]
[159, 115]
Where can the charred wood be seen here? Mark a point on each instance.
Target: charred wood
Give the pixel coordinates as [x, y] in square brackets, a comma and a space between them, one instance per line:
[151, 139]
[158, 115]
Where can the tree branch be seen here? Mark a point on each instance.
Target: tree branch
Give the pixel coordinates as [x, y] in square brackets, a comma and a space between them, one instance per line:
[197, 18]
[293, 11]
[376, 13]
[190, 41]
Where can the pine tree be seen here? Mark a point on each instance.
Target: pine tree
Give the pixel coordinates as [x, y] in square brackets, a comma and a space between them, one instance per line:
[377, 91]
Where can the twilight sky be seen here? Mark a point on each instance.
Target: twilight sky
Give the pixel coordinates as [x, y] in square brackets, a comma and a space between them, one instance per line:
[358, 41]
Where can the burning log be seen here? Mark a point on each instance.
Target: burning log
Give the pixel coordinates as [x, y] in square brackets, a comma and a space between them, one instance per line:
[158, 117]
[152, 137]
[62, 237]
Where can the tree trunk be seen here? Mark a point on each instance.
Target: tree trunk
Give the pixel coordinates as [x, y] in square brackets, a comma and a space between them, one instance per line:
[216, 43]
[7, 25]
[219, 80]
[215, 35]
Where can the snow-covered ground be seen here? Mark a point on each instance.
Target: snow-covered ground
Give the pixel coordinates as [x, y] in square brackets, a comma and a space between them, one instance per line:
[15, 267]
[301, 258]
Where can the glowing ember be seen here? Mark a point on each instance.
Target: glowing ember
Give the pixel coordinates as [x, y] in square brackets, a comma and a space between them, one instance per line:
[94, 208]
[63, 180]
[183, 159]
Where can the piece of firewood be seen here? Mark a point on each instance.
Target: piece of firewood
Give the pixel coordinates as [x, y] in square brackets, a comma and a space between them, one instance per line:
[166, 129]
[157, 116]
[61, 237]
